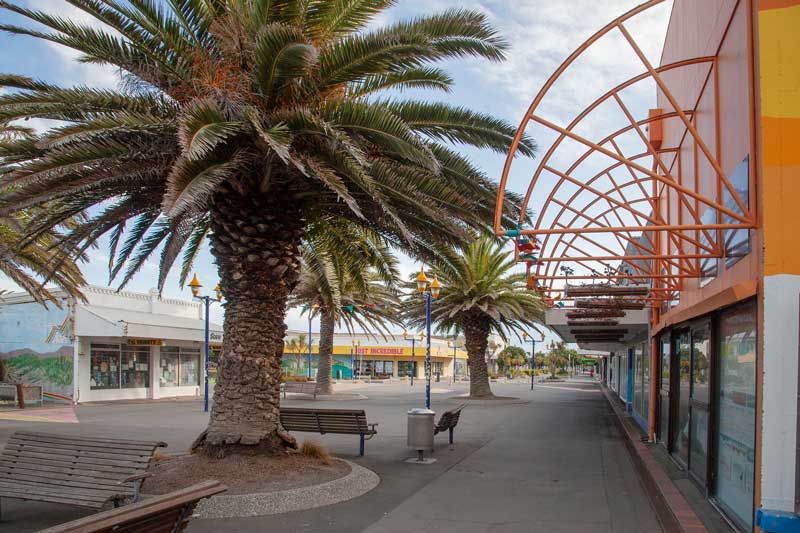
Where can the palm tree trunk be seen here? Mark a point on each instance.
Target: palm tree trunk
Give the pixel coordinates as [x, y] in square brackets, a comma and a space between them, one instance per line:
[255, 239]
[476, 335]
[326, 331]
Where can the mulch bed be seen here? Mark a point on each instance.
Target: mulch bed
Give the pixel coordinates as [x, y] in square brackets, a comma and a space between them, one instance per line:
[243, 474]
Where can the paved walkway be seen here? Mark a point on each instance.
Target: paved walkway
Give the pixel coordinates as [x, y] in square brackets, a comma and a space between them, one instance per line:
[554, 462]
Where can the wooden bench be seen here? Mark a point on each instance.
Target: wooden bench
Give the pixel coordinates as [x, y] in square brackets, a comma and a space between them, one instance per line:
[169, 513]
[74, 470]
[322, 421]
[303, 387]
[448, 421]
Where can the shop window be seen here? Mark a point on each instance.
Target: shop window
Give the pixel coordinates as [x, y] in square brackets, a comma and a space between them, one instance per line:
[709, 266]
[735, 465]
[105, 366]
[135, 367]
[190, 368]
[388, 367]
[115, 366]
[406, 369]
[737, 241]
[170, 359]
[180, 367]
[645, 351]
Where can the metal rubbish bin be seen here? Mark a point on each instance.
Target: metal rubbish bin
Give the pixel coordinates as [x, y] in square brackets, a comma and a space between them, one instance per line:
[420, 430]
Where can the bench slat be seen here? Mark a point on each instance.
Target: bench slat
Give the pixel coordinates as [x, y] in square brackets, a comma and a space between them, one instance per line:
[64, 452]
[72, 459]
[51, 499]
[101, 448]
[126, 518]
[49, 492]
[121, 442]
[67, 480]
[105, 472]
[58, 490]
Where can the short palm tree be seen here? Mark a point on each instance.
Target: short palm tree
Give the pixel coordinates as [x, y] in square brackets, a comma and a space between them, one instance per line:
[347, 279]
[30, 263]
[246, 121]
[481, 294]
[297, 346]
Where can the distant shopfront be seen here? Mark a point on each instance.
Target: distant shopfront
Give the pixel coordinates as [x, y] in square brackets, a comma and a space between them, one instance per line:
[376, 358]
[115, 346]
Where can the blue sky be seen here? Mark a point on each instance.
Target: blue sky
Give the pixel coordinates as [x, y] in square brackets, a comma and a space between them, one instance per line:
[541, 32]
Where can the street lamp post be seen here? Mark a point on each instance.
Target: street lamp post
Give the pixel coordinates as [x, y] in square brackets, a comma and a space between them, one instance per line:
[429, 291]
[413, 340]
[207, 301]
[310, 340]
[533, 354]
[454, 360]
[352, 359]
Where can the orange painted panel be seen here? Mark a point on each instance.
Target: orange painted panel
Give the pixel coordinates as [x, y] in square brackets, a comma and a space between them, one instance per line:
[781, 219]
[764, 5]
[780, 139]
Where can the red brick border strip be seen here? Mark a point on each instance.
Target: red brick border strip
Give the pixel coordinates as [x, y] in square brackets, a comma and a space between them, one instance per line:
[674, 512]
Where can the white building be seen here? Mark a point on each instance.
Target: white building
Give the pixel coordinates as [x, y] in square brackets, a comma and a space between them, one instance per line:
[115, 345]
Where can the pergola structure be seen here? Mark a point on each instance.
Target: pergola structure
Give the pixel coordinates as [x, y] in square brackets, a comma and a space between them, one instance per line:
[622, 225]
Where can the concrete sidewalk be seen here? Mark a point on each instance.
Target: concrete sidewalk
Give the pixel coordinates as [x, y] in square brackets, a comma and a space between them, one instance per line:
[553, 461]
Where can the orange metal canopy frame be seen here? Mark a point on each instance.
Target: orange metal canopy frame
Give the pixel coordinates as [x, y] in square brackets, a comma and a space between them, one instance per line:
[633, 211]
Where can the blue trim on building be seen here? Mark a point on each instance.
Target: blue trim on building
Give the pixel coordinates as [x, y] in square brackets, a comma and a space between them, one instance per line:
[777, 521]
[641, 421]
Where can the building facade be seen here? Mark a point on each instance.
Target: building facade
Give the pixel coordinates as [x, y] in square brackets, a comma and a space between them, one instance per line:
[665, 236]
[113, 346]
[361, 355]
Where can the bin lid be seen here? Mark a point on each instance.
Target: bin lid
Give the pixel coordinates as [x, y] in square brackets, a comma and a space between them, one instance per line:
[421, 411]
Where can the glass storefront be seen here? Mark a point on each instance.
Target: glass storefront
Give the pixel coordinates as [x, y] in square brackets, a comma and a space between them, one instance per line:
[641, 384]
[135, 367]
[115, 366]
[699, 404]
[735, 465]
[680, 443]
[405, 369]
[180, 367]
[665, 363]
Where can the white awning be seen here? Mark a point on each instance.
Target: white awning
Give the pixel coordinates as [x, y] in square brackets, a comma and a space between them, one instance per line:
[96, 321]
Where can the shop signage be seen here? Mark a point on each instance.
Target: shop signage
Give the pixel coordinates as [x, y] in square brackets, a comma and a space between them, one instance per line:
[380, 351]
[146, 342]
[215, 336]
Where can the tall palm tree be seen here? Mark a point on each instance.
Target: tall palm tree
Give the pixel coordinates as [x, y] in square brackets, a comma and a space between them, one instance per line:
[348, 278]
[481, 294]
[245, 121]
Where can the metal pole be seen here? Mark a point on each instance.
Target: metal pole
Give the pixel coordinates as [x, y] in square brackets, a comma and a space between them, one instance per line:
[413, 369]
[352, 363]
[309, 343]
[207, 301]
[533, 361]
[454, 362]
[428, 350]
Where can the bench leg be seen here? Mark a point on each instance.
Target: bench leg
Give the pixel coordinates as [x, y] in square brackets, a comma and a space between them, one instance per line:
[361, 447]
[451, 435]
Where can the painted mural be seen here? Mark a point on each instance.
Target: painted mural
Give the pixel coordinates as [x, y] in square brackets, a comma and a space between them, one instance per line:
[36, 347]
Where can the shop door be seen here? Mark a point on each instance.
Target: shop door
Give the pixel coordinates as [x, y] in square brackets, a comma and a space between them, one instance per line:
[699, 404]
[681, 382]
[664, 366]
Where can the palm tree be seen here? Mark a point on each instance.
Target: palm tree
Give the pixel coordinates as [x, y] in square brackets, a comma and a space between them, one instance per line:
[480, 295]
[245, 121]
[348, 278]
[297, 346]
[31, 263]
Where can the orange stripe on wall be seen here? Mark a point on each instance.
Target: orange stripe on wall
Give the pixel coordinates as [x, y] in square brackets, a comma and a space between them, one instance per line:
[764, 5]
[781, 137]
